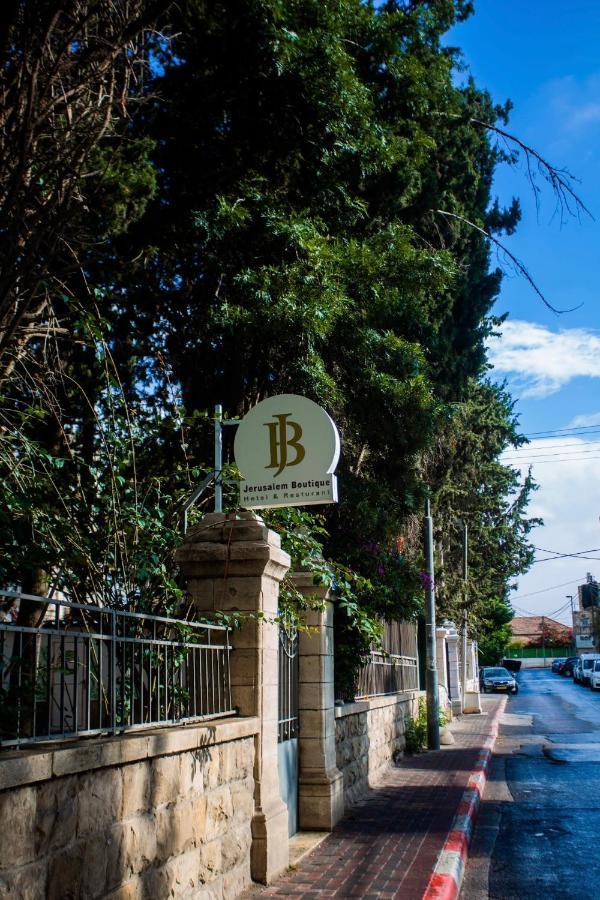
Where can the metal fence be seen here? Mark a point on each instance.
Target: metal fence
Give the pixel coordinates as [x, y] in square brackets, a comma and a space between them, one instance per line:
[83, 670]
[287, 719]
[394, 667]
[538, 652]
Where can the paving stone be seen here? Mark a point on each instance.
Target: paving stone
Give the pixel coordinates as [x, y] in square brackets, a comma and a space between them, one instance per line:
[388, 845]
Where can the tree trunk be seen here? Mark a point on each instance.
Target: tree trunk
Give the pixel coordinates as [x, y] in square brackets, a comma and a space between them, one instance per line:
[18, 713]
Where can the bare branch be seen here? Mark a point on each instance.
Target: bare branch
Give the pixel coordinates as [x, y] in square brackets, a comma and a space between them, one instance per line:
[560, 180]
[519, 266]
[66, 87]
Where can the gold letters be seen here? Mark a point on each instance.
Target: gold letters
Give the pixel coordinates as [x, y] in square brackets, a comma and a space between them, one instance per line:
[279, 443]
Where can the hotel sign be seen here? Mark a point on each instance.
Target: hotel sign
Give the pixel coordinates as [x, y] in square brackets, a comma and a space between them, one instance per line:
[287, 449]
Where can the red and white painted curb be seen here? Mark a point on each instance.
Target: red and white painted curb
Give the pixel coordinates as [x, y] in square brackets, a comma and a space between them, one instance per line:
[446, 879]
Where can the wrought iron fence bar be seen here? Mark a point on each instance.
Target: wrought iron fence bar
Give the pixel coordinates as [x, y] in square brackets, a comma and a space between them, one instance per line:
[384, 674]
[63, 682]
[109, 611]
[399, 661]
[288, 713]
[26, 629]
[48, 685]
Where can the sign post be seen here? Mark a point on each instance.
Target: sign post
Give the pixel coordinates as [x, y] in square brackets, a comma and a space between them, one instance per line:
[287, 449]
[431, 675]
[218, 458]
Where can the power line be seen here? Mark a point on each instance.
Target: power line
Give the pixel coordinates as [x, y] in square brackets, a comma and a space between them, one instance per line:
[566, 556]
[551, 431]
[537, 615]
[560, 609]
[553, 446]
[554, 587]
[572, 454]
[562, 451]
[581, 554]
[560, 552]
[542, 462]
[523, 612]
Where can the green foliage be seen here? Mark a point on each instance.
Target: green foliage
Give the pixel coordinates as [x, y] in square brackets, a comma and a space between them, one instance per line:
[494, 634]
[80, 497]
[473, 486]
[415, 730]
[275, 222]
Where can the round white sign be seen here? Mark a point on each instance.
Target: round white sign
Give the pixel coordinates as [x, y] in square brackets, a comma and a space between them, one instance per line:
[287, 448]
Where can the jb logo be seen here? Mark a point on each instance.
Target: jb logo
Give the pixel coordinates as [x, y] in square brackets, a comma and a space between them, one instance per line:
[279, 441]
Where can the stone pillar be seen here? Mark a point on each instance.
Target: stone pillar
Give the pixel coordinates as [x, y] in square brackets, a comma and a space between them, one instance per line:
[472, 702]
[454, 686]
[442, 668]
[234, 562]
[321, 784]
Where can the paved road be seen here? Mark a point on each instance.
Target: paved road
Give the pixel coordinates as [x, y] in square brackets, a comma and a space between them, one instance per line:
[538, 830]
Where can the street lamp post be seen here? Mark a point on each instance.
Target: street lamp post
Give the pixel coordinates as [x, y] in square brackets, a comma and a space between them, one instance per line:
[464, 635]
[431, 675]
[573, 647]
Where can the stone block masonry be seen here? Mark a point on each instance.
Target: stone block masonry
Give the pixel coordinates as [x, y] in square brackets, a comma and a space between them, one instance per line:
[156, 815]
[369, 736]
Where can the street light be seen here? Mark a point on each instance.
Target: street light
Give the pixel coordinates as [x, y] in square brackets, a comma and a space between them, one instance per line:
[573, 646]
[465, 548]
[431, 683]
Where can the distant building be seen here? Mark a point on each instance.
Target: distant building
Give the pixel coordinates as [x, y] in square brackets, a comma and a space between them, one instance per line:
[539, 631]
[586, 619]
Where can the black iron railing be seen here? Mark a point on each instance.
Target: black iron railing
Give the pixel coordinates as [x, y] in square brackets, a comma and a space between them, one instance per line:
[387, 674]
[391, 668]
[84, 670]
[287, 720]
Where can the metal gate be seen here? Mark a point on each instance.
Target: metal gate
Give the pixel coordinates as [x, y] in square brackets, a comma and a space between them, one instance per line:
[287, 725]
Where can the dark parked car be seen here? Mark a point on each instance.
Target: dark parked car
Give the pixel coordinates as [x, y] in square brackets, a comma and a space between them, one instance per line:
[513, 665]
[497, 678]
[556, 663]
[566, 668]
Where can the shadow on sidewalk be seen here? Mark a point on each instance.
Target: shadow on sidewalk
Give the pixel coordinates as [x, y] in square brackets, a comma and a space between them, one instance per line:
[388, 844]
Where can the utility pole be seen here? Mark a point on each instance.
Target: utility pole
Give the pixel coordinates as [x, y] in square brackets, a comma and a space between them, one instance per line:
[218, 458]
[570, 597]
[431, 676]
[543, 642]
[465, 596]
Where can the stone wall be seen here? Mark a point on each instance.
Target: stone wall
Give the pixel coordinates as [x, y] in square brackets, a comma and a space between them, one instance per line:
[369, 734]
[139, 817]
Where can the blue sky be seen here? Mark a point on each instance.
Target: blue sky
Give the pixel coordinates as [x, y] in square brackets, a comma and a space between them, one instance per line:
[545, 57]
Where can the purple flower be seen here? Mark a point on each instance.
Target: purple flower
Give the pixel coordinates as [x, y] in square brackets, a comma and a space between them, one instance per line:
[381, 569]
[426, 580]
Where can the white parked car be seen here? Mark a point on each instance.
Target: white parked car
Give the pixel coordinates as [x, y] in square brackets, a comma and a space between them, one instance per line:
[584, 666]
[595, 676]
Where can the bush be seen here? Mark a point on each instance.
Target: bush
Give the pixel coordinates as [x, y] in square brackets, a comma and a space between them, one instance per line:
[415, 730]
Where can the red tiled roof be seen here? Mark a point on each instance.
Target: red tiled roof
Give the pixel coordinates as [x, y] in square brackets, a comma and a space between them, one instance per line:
[528, 629]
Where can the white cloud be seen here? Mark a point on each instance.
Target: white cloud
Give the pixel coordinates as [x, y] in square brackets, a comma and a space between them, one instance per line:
[542, 361]
[567, 471]
[575, 103]
[584, 421]
[586, 114]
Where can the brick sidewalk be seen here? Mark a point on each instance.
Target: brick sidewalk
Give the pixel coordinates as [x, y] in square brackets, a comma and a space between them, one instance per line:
[388, 845]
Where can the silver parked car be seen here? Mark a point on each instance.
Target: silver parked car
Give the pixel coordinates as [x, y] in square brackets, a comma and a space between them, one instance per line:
[583, 668]
[497, 678]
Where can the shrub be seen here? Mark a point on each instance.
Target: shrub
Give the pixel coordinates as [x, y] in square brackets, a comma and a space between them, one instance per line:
[415, 730]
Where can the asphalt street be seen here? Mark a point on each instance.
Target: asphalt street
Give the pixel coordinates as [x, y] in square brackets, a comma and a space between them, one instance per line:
[538, 829]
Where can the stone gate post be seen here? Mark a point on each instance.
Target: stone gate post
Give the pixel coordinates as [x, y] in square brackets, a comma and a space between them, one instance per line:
[321, 784]
[454, 685]
[234, 562]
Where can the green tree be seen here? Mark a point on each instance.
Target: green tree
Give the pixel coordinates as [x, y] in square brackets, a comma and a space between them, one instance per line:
[301, 205]
[317, 174]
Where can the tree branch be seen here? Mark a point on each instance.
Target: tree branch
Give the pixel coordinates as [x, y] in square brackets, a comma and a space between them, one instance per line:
[519, 266]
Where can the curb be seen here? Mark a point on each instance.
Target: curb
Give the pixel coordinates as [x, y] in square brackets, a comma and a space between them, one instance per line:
[446, 878]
